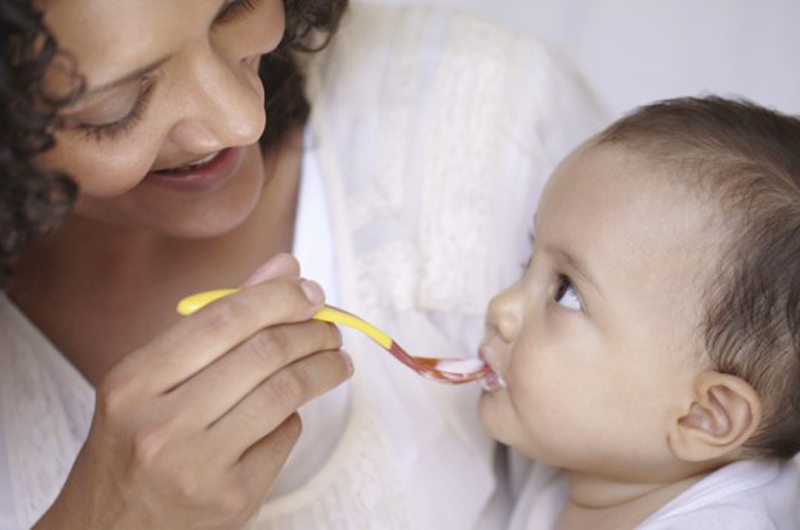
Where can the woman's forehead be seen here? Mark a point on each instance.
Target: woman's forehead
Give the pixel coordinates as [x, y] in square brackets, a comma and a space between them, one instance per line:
[110, 38]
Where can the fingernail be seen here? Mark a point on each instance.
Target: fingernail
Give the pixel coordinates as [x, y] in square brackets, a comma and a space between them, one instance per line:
[313, 291]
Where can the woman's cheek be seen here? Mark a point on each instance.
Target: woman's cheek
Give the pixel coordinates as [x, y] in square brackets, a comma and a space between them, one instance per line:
[101, 168]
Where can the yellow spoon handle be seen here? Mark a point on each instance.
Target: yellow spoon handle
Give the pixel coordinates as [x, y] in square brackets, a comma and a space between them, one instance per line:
[192, 303]
[337, 316]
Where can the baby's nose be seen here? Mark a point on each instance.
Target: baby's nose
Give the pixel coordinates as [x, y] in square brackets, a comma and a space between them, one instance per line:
[505, 315]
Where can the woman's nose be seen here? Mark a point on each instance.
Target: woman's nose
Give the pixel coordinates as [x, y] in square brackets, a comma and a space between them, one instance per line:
[223, 105]
[506, 313]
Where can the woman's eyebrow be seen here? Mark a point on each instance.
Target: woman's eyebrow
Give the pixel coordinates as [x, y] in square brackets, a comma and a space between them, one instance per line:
[127, 78]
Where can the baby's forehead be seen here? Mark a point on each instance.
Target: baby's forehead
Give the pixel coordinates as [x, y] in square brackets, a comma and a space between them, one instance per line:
[684, 183]
[690, 170]
[636, 214]
[610, 166]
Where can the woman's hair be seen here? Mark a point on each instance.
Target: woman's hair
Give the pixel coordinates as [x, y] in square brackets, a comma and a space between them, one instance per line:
[747, 159]
[33, 200]
[309, 27]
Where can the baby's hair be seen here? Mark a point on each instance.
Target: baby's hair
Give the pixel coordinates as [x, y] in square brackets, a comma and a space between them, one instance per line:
[748, 157]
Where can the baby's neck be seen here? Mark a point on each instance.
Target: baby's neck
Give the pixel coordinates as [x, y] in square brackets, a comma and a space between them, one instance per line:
[601, 504]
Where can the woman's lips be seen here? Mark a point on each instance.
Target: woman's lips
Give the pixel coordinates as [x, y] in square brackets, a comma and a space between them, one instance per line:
[203, 177]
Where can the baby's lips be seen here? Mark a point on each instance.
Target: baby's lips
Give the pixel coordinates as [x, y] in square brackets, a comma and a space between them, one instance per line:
[489, 383]
[492, 381]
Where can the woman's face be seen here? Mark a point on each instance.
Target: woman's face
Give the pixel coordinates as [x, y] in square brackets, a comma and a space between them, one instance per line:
[165, 136]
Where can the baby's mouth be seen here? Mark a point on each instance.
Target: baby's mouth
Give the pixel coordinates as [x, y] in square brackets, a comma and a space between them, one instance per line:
[493, 380]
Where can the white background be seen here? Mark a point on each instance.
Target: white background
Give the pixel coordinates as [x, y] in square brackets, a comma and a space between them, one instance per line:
[636, 51]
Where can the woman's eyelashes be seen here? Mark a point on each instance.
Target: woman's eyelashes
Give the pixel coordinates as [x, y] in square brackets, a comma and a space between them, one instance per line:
[233, 8]
[113, 129]
[566, 295]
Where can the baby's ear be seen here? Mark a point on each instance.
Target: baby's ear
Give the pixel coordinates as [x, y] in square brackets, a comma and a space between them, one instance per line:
[725, 412]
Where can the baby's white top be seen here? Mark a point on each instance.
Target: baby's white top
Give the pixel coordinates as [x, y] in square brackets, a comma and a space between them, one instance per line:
[745, 495]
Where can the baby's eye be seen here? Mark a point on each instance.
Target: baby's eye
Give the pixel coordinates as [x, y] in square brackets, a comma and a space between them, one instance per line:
[566, 295]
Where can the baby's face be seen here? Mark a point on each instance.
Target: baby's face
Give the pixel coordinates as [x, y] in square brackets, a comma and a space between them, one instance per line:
[598, 341]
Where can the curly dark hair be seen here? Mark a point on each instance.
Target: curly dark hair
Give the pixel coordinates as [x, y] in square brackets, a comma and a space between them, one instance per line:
[33, 200]
[309, 27]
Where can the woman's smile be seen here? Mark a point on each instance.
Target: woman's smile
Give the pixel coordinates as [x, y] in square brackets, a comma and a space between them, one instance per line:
[206, 174]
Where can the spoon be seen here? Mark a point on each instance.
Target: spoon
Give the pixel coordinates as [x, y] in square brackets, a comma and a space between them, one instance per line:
[443, 370]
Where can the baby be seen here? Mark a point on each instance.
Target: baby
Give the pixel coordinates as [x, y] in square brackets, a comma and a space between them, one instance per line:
[651, 350]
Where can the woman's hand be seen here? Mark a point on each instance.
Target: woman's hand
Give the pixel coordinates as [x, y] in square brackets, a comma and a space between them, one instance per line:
[191, 430]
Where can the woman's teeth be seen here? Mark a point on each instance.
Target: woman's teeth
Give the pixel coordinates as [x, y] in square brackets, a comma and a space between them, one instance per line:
[197, 163]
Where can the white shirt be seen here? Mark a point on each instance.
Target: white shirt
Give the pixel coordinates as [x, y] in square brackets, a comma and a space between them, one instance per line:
[7, 513]
[742, 496]
[324, 418]
[746, 495]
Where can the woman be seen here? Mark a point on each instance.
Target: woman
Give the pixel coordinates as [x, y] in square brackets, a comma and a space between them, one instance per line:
[415, 167]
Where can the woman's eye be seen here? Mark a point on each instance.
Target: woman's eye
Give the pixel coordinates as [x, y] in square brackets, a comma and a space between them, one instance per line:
[114, 128]
[566, 295]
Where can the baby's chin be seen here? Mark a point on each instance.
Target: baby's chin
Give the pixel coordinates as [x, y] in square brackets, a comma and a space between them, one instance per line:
[491, 411]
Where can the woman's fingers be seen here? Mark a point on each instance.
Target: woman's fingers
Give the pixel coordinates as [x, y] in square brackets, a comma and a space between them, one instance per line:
[200, 339]
[275, 399]
[224, 383]
[197, 424]
[259, 466]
